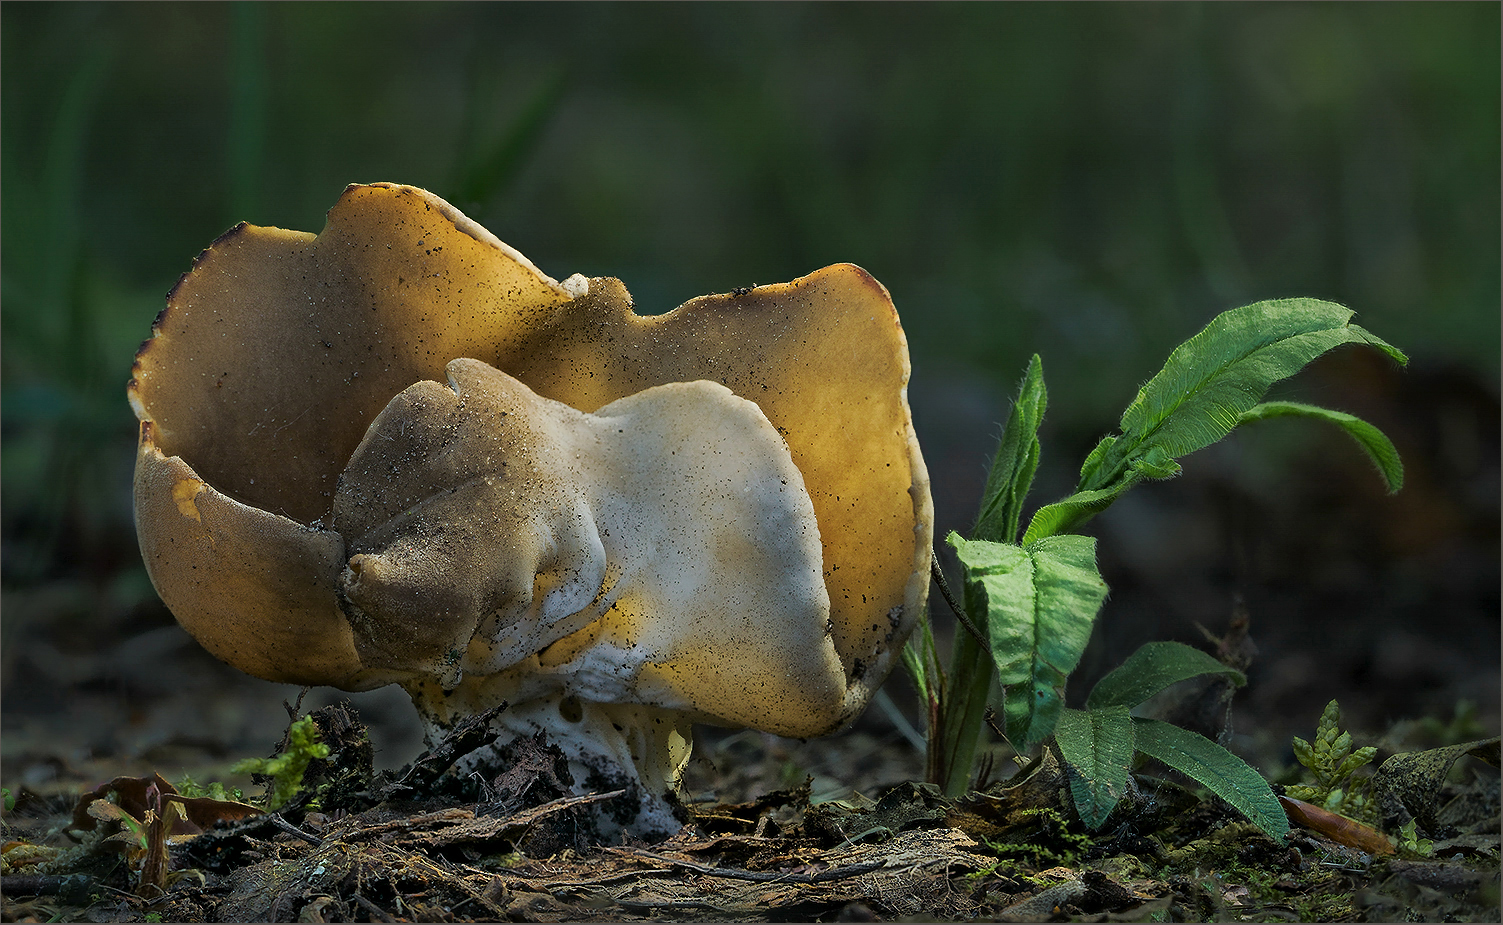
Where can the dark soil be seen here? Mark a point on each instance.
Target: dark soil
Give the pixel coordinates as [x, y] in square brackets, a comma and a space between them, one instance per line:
[388, 847]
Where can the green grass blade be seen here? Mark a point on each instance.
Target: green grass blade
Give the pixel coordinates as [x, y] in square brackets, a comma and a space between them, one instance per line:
[962, 715]
[1155, 666]
[1373, 441]
[967, 688]
[490, 172]
[1226, 775]
[918, 673]
[1016, 461]
[1098, 744]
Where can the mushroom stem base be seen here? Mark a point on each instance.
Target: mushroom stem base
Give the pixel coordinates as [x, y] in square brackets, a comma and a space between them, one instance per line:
[639, 749]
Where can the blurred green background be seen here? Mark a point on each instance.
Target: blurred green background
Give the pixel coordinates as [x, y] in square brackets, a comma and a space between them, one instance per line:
[1091, 182]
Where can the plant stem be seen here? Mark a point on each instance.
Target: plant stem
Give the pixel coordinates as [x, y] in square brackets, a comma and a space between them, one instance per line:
[962, 714]
[956, 731]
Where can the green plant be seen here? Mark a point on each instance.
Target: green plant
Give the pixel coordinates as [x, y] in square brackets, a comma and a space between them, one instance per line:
[1410, 843]
[1333, 763]
[1463, 726]
[1029, 602]
[190, 788]
[1100, 741]
[286, 769]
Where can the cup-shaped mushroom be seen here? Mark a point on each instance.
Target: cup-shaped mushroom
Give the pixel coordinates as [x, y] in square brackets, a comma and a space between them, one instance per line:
[288, 542]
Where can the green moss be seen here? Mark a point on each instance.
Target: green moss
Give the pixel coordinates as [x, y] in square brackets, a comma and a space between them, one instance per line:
[286, 769]
[1311, 893]
[1044, 840]
[214, 790]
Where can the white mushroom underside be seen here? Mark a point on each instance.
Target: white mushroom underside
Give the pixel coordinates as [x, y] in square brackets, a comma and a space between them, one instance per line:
[661, 551]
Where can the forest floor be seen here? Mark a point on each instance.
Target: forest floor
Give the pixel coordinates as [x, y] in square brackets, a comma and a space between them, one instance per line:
[419, 845]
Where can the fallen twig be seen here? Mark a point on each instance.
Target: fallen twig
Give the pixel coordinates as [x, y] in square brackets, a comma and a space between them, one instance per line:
[31, 885]
[760, 876]
[277, 820]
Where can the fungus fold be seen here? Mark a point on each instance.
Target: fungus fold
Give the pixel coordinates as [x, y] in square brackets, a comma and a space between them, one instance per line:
[397, 452]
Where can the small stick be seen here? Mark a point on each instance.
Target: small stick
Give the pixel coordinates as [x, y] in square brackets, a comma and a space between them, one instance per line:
[944, 588]
[277, 820]
[376, 913]
[765, 876]
[31, 885]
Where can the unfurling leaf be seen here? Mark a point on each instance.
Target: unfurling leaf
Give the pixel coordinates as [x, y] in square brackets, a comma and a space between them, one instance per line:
[1053, 519]
[1211, 383]
[1215, 377]
[1017, 459]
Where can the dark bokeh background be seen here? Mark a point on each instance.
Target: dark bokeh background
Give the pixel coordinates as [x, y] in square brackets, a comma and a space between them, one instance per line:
[1092, 182]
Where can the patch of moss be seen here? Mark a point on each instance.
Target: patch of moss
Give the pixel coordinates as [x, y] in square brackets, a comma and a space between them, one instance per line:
[1208, 871]
[1043, 838]
[286, 769]
[214, 790]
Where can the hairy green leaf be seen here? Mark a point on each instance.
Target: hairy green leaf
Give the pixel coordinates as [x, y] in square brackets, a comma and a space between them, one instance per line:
[1226, 775]
[1373, 441]
[1056, 518]
[1039, 603]
[1098, 744]
[1094, 460]
[1017, 460]
[1155, 666]
[1155, 463]
[1215, 377]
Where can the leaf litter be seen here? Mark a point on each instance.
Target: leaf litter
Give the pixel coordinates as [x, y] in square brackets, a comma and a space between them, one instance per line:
[424, 844]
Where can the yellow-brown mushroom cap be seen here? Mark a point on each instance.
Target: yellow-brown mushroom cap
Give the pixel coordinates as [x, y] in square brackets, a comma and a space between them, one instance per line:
[254, 588]
[278, 349]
